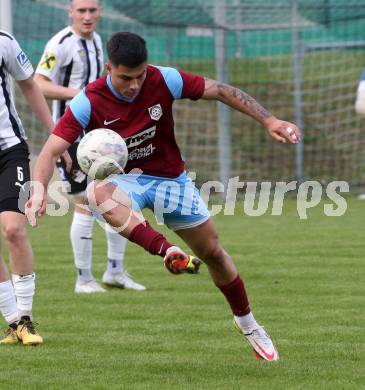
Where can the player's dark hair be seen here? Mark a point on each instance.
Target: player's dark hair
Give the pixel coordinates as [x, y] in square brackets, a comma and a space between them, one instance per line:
[127, 49]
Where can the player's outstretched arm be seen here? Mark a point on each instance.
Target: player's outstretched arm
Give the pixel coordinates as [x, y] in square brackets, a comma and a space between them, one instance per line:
[52, 90]
[37, 102]
[281, 131]
[42, 174]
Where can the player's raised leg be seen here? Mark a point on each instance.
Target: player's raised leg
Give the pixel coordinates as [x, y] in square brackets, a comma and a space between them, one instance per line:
[112, 202]
[203, 240]
[14, 230]
[115, 206]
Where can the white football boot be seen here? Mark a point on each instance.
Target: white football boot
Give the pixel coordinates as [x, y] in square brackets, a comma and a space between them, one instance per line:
[261, 343]
[122, 280]
[89, 287]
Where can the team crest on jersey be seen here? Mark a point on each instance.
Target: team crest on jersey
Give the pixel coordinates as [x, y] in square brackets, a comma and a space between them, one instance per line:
[155, 112]
[48, 61]
[22, 58]
[82, 54]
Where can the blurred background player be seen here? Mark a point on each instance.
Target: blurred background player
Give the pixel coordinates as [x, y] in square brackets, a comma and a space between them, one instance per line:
[360, 96]
[16, 299]
[141, 96]
[71, 59]
[360, 105]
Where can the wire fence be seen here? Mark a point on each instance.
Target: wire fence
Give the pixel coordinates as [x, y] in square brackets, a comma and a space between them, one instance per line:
[302, 59]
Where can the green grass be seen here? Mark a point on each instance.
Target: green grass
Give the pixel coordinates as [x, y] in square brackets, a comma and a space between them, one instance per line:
[306, 283]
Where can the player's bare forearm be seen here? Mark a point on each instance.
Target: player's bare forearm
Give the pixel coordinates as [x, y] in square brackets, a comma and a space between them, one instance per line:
[43, 171]
[237, 99]
[37, 102]
[241, 101]
[53, 91]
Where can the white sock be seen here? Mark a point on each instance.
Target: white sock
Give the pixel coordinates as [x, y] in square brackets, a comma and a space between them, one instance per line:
[8, 307]
[114, 266]
[84, 275]
[116, 249]
[24, 287]
[247, 323]
[81, 239]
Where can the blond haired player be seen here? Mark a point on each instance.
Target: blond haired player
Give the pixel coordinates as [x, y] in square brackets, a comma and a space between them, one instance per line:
[71, 60]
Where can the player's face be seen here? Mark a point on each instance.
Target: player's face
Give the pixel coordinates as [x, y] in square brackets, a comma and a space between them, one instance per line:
[85, 15]
[127, 81]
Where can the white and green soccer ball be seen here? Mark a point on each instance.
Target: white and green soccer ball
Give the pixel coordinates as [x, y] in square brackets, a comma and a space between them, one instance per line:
[101, 153]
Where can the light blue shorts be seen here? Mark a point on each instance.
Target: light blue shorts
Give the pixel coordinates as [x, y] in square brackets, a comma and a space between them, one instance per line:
[175, 202]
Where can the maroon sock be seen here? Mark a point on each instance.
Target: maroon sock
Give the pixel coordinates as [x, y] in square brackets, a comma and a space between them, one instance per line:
[152, 241]
[236, 296]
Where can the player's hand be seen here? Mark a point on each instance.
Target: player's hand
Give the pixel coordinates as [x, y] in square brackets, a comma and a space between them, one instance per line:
[34, 208]
[283, 131]
[67, 161]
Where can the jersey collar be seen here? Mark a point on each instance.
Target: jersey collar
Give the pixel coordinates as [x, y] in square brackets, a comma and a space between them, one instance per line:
[80, 37]
[116, 93]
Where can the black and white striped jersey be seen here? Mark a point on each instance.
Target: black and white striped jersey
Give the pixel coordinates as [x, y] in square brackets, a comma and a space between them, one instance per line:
[71, 61]
[13, 63]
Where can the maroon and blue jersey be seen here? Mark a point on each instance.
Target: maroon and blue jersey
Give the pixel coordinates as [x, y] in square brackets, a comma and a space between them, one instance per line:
[146, 123]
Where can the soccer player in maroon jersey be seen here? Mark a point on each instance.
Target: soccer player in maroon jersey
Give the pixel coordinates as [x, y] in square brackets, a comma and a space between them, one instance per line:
[135, 100]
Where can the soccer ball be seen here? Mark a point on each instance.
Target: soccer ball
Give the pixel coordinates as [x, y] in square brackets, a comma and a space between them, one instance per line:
[102, 152]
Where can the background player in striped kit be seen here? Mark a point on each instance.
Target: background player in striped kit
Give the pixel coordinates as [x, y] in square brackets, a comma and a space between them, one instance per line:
[73, 58]
[16, 299]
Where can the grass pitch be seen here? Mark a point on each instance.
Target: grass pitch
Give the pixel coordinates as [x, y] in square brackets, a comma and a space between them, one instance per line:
[305, 279]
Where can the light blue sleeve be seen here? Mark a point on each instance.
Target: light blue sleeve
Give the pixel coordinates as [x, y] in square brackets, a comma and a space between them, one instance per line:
[173, 80]
[81, 108]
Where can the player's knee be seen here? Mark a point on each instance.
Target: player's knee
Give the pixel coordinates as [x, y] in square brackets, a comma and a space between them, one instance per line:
[98, 192]
[90, 191]
[214, 253]
[14, 233]
[104, 198]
